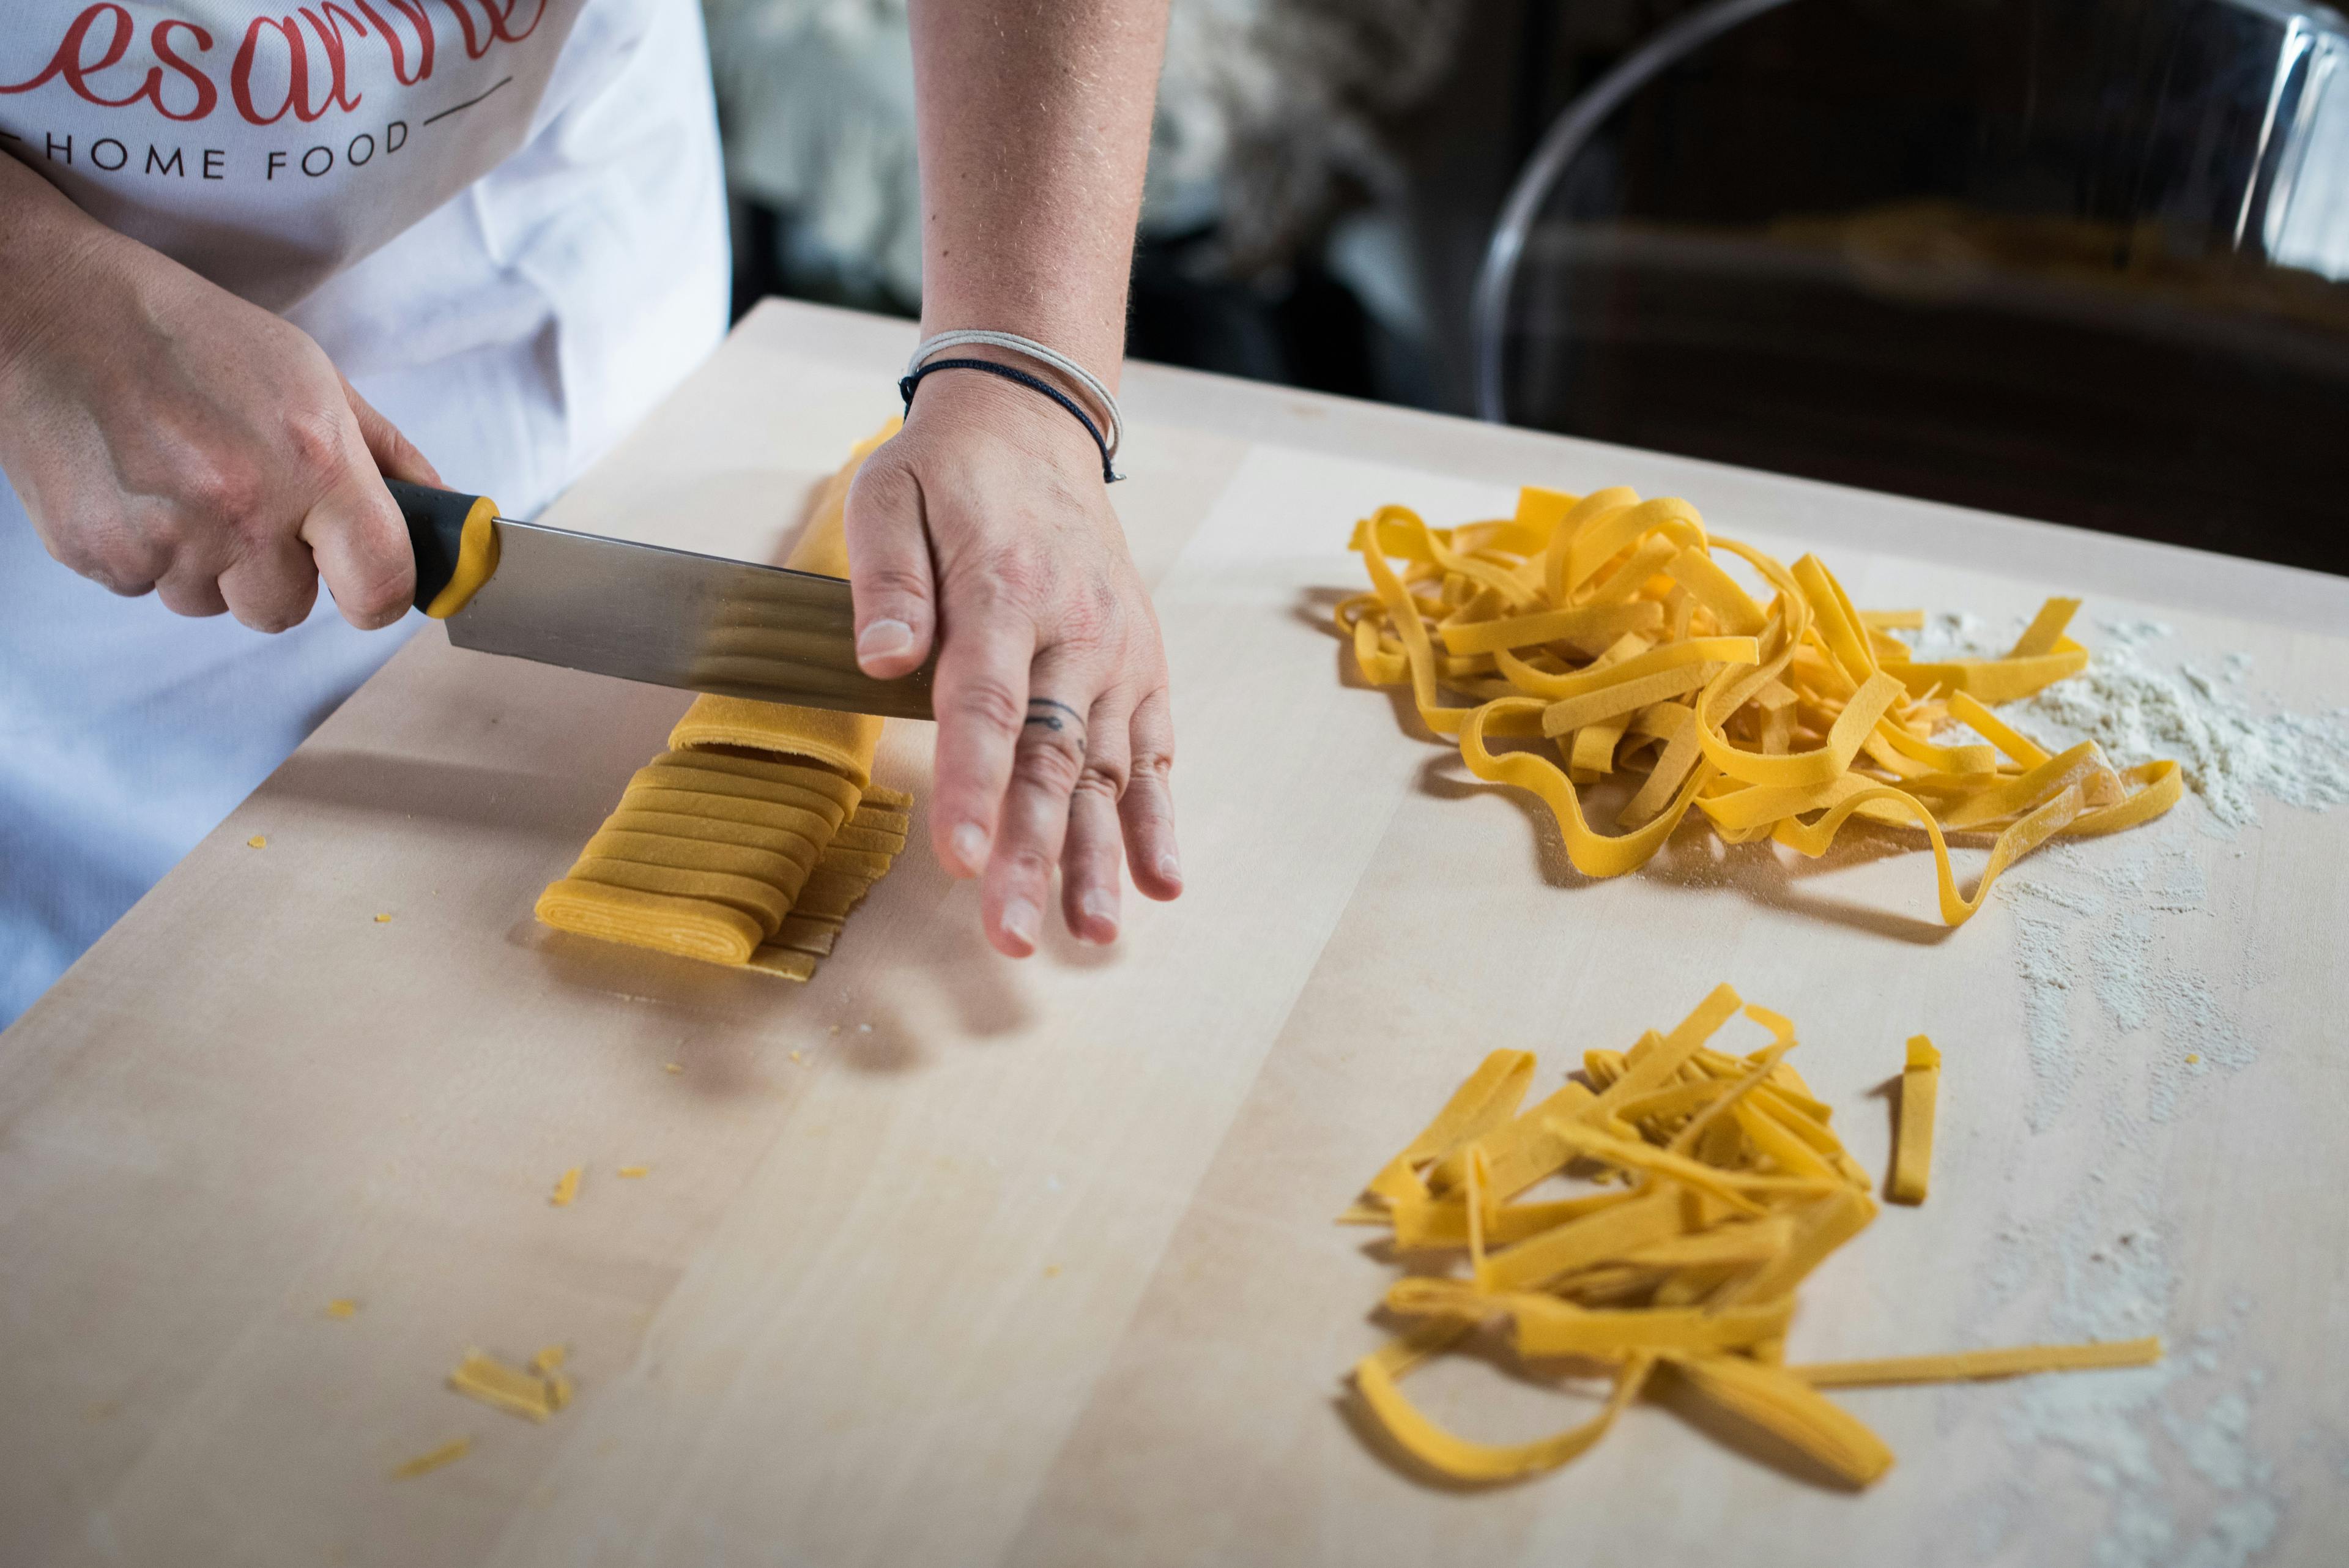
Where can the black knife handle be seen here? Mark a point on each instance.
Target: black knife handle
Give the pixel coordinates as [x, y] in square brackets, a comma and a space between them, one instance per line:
[443, 524]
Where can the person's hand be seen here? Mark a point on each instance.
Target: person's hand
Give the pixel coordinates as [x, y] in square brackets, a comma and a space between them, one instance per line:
[164, 435]
[984, 525]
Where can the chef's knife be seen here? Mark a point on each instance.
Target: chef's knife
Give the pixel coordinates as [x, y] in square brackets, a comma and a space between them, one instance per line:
[644, 613]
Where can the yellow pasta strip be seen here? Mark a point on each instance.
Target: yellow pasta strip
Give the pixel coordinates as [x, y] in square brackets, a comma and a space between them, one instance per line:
[1486, 1099]
[1585, 515]
[707, 787]
[1587, 622]
[794, 846]
[1837, 623]
[784, 962]
[1912, 1156]
[1548, 1327]
[1967, 1365]
[1962, 761]
[1594, 854]
[1598, 541]
[447, 1453]
[1779, 1145]
[830, 902]
[2046, 630]
[1637, 663]
[1815, 839]
[1738, 1241]
[565, 1189]
[1776, 1401]
[692, 855]
[1539, 512]
[1967, 710]
[1520, 1151]
[1420, 1341]
[1736, 1189]
[1418, 656]
[1788, 1114]
[1820, 1227]
[1719, 592]
[1701, 1126]
[1623, 697]
[2083, 765]
[1579, 1243]
[1545, 1326]
[1444, 1222]
[1996, 680]
[808, 934]
[863, 864]
[2151, 789]
[1681, 1099]
[1461, 1459]
[692, 928]
[822, 782]
[534, 1395]
[1632, 576]
[1655, 1066]
[844, 741]
[741, 800]
[1432, 547]
[762, 901]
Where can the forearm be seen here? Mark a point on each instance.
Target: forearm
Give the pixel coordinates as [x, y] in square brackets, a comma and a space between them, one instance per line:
[1034, 130]
[46, 242]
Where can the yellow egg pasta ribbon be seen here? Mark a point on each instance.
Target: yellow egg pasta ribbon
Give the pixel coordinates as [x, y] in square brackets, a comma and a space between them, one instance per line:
[1737, 1189]
[1912, 1155]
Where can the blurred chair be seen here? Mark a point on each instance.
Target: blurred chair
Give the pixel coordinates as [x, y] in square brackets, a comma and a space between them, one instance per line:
[2079, 260]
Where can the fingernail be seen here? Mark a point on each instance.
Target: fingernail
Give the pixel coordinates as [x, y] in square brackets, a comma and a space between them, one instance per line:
[1169, 868]
[969, 843]
[882, 639]
[1019, 921]
[1099, 906]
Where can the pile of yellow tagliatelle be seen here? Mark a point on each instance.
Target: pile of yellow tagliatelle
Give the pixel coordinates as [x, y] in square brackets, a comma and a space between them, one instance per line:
[1609, 625]
[1723, 1185]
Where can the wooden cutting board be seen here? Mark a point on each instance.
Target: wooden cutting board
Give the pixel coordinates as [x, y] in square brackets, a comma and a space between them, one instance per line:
[946, 1259]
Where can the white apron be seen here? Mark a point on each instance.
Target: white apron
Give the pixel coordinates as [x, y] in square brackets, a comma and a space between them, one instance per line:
[502, 219]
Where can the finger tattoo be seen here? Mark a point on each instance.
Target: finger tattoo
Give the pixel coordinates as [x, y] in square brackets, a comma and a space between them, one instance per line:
[1057, 717]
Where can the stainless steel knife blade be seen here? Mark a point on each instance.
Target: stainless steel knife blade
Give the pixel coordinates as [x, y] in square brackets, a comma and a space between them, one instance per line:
[672, 617]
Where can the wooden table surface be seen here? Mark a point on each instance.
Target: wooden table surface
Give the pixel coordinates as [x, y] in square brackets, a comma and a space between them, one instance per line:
[946, 1259]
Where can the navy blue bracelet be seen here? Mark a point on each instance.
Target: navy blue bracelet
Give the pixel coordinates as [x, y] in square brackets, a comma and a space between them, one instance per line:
[1034, 383]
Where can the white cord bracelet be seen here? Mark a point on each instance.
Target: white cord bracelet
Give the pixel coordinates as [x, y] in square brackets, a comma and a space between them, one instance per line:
[1113, 434]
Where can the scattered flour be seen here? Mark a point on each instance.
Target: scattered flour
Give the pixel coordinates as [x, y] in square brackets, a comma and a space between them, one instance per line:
[2137, 710]
[2089, 924]
[2114, 1008]
[2168, 1447]
[2101, 982]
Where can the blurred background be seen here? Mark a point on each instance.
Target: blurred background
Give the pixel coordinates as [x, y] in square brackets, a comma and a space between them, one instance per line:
[2079, 260]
